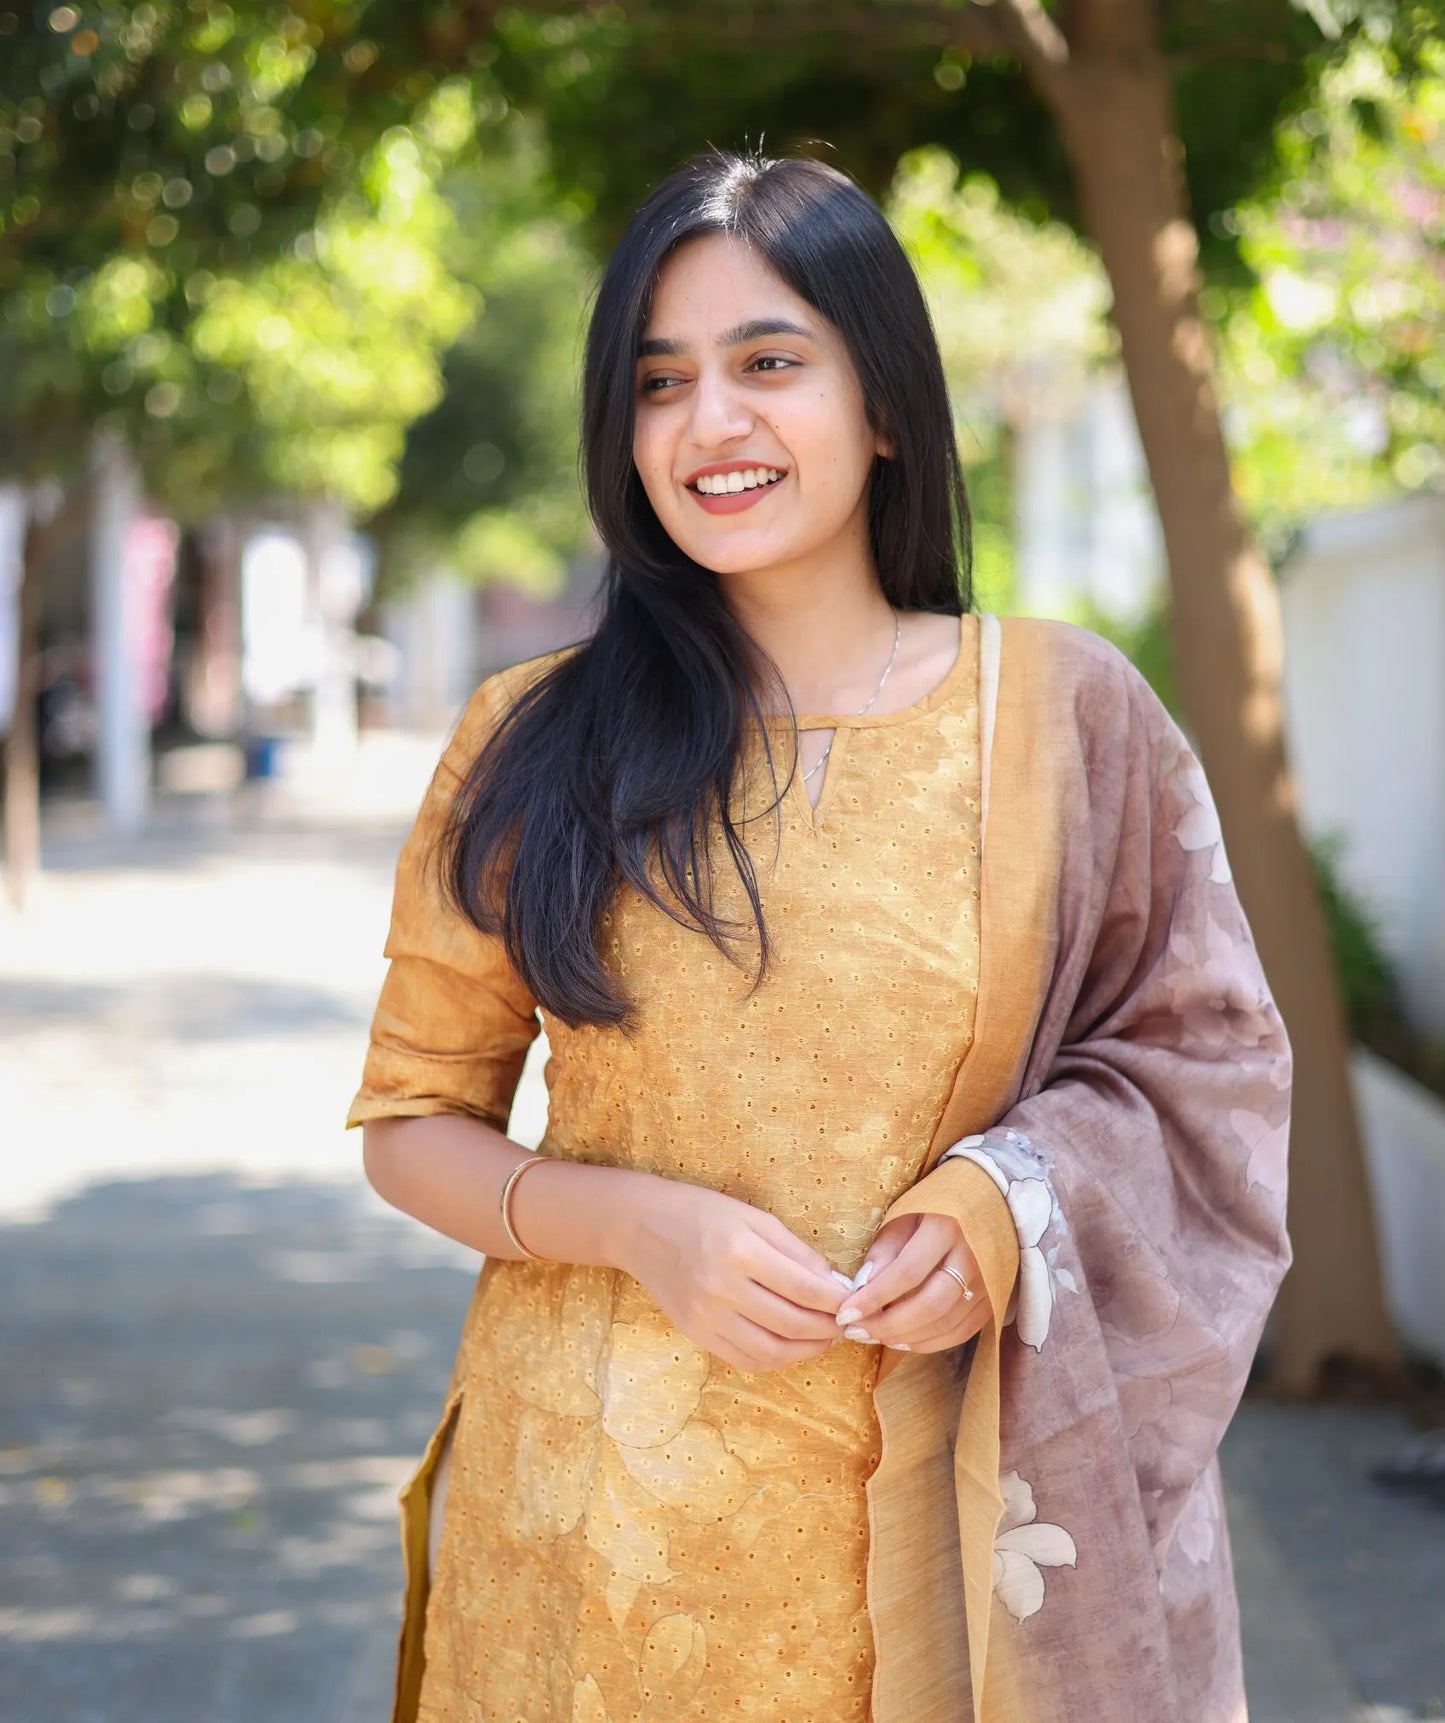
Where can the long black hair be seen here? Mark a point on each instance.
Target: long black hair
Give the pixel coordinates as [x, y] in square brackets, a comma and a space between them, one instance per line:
[617, 764]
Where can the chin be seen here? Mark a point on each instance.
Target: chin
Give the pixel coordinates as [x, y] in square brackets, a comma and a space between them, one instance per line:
[735, 553]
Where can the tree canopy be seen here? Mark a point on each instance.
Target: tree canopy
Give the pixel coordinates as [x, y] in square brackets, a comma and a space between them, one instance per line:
[1336, 349]
[263, 241]
[178, 183]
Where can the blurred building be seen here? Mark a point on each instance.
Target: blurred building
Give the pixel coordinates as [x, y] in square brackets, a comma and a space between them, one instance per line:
[449, 635]
[12, 528]
[1364, 611]
[1086, 528]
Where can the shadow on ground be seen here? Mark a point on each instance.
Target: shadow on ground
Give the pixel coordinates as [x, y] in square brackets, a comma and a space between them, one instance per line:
[185, 838]
[212, 1393]
[177, 1009]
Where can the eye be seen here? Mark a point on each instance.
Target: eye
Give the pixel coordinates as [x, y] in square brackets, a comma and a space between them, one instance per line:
[657, 382]
[773, 359]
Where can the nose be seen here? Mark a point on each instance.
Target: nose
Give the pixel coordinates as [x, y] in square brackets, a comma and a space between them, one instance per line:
[719, 413]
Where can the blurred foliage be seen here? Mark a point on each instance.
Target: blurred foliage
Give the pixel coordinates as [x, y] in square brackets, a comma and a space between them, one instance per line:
[985, 450]
[1335, 357]
[263, 243]
[864, 84]
[219, 236]
[345, 246]
[337, 343]
[489, 482]
[988, 272]
[1368, 983]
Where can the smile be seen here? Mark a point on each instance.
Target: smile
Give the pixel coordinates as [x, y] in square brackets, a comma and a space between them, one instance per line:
[729, 484]
[730, 493]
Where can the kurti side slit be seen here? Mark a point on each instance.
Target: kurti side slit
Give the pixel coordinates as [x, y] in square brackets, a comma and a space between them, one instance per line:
[635, 1531]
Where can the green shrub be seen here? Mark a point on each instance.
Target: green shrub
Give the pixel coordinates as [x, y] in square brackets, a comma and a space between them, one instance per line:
[1367, 980]
[1368, 983]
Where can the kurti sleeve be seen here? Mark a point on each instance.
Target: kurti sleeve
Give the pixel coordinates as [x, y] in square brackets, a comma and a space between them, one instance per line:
[454, 1020]
[967, 1193]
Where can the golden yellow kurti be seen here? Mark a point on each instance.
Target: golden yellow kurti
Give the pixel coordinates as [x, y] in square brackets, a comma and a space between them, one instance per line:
[634, 1529]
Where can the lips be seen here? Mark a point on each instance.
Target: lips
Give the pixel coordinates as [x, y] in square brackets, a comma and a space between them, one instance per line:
[718, 481]
[729, 487]
[734, 502]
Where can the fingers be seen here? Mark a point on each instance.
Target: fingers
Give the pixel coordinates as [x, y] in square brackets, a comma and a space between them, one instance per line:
[930, 1242]
[936, 1315]
[886, 1246]
[788, 1244]
[944, 1340]
[786, 1318]
[747, 1346]
[780, 1262]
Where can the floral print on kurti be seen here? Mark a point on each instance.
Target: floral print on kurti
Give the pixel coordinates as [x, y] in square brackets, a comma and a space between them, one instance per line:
[1129, 1060]
[636, 1532]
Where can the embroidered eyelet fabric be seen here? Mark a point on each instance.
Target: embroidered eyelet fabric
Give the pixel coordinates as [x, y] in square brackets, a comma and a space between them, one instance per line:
[635, 1531]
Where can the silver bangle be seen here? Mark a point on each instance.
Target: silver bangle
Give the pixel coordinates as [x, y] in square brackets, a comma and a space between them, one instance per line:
[508, 1185]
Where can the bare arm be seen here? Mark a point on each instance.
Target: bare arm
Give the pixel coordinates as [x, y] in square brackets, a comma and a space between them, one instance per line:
[732, 1277]
[448, 1170]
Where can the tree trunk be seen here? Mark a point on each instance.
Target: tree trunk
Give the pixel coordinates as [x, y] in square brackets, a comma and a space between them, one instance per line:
[22, 749]
[1114, 108]
[214, 694]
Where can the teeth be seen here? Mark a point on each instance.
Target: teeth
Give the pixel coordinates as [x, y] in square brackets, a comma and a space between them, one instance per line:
[729, 484]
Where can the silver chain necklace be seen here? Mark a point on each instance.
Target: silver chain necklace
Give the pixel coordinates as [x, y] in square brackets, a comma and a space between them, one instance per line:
[897, 635]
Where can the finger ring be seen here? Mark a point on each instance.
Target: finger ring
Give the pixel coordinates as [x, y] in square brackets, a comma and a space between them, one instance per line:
[955, 1275]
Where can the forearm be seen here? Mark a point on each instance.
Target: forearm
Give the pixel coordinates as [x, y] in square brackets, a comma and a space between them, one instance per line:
[447, 1171]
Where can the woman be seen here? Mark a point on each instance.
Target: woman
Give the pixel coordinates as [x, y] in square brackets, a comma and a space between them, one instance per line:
[859, 1341]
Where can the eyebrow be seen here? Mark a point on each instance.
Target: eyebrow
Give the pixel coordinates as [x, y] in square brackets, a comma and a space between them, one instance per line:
[754, 330]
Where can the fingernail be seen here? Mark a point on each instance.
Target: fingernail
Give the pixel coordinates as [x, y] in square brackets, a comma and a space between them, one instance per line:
[898, 1346]
[841, 1278]
[849, 1313]
[863, 1276]
[859, 1334]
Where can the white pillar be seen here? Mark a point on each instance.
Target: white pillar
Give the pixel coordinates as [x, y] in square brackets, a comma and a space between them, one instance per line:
[336, 594]
[12, 544]
[122, 746]
[1047, 522]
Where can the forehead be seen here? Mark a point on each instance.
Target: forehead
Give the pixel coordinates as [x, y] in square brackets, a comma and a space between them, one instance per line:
[714, 281]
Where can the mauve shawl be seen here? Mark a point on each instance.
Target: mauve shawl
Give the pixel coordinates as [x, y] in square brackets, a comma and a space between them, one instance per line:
[1128, 1091]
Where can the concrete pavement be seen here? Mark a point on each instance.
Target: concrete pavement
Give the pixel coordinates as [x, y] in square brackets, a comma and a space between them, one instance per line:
[221, 1354]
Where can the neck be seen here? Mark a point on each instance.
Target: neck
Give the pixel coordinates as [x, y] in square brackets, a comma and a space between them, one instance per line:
[829, 632]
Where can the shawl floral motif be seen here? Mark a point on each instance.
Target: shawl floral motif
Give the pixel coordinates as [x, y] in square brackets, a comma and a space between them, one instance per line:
[1128, 1093]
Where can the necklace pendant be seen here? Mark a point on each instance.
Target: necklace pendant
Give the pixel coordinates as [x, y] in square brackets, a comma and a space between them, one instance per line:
[817, 767]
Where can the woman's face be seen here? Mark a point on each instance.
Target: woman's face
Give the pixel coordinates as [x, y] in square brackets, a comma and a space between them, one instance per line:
[738, 375]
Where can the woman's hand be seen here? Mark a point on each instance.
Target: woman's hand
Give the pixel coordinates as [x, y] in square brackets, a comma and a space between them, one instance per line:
[908, 1302]
[733, 1278]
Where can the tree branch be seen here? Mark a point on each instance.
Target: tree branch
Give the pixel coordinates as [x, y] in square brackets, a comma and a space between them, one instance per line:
[1119, 29]
[1023, 29]
[1029, 31]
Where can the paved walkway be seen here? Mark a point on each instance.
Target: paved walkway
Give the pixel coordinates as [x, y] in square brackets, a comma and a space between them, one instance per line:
[221, 1353]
